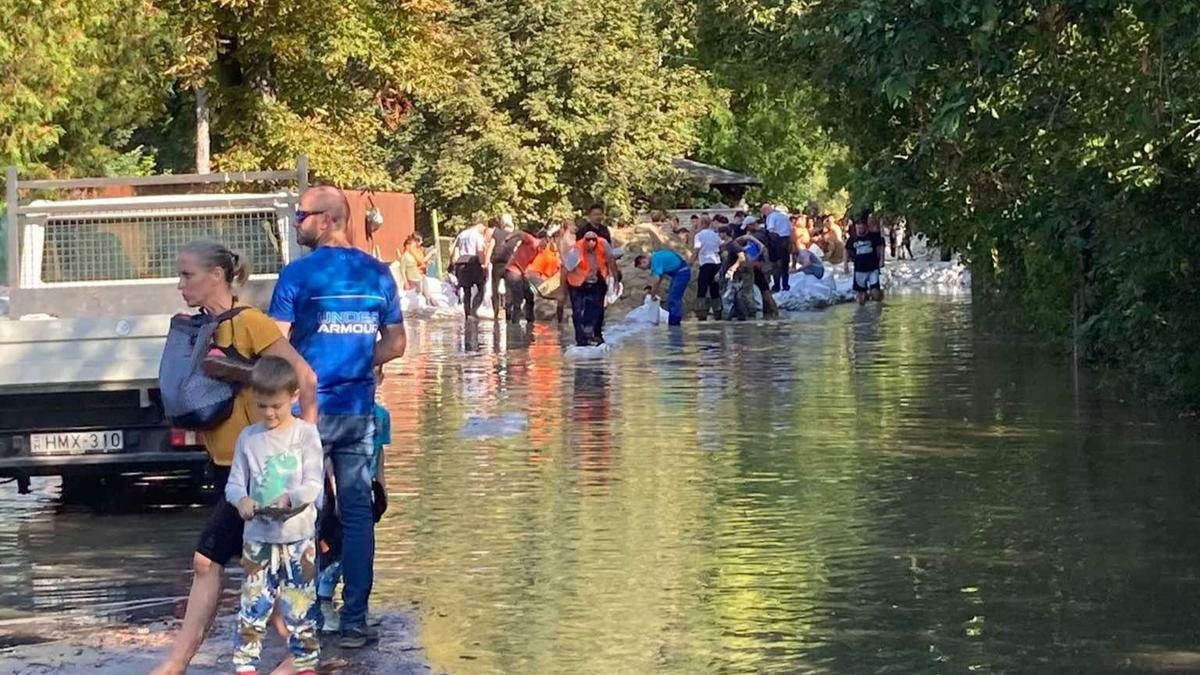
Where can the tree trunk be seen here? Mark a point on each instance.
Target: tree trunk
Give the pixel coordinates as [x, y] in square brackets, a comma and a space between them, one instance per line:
[202, 136]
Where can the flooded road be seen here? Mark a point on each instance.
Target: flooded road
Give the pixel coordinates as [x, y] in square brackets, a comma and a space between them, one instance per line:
[846, 491]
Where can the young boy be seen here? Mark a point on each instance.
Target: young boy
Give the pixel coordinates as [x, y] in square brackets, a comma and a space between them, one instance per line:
[276, 484]
[330, 542]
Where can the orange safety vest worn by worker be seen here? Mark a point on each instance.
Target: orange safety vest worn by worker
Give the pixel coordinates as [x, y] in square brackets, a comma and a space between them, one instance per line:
[545, 264]
[578, 276]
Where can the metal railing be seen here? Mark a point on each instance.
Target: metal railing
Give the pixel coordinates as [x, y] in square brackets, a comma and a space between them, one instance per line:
[135, 239]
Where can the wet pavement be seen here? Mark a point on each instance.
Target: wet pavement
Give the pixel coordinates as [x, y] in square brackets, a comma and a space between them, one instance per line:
[850, 490]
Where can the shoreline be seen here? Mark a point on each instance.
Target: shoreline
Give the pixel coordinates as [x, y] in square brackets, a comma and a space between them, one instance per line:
[128, 649]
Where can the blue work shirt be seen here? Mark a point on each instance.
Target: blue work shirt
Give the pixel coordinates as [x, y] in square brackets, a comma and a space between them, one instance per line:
[666, 263]
[337, 299]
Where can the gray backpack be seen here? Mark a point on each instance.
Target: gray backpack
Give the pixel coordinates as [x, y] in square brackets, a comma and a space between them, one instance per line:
[191, 399]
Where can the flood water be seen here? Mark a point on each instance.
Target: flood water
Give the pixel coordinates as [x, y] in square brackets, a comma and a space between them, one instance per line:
[851, 490]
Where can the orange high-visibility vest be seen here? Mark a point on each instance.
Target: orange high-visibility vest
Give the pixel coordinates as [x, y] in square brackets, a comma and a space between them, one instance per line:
[578, 276]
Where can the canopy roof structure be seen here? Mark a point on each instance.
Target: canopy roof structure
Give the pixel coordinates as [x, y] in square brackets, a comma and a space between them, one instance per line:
[711, 176]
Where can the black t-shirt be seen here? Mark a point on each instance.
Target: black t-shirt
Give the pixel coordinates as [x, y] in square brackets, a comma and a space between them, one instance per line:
[600, 230]
[865, 251]
[505, 245]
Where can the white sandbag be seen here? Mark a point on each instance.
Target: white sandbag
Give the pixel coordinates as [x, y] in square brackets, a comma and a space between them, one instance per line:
[578, 353]
[650, 313]
[807, 292]
[439, 293]
[614, 293]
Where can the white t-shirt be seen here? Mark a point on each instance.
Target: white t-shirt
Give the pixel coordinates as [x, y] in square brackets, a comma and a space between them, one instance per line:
[469, 243]
[708, 243]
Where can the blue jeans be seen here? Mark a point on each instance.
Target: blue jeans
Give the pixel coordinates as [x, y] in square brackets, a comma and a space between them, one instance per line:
[679, 284]
[349, 444]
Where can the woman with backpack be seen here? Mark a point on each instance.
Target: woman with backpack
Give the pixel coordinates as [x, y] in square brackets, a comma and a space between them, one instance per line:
[209, 274]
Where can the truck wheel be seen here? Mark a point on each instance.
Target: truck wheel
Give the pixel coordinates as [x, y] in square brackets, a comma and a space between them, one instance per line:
[98, 490]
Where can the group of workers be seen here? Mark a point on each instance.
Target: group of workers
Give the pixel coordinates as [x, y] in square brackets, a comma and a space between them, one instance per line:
[732, 256]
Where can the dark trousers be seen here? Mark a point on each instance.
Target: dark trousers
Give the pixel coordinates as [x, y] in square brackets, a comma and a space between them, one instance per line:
[708, 285]
[470, 280]
[519, 296]
[781, 257]
[587, 311]
[497, 279]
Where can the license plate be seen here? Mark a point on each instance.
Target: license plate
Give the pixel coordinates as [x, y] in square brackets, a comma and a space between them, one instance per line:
[76, 442]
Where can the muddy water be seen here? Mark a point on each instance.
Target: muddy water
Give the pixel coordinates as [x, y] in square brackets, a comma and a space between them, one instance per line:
[848, 491]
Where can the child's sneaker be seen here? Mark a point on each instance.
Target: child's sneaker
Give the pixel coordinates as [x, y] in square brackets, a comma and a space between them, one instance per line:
[329, 618]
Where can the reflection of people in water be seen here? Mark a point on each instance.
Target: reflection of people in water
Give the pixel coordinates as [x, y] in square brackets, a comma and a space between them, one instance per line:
[864, 336]
[590, 433]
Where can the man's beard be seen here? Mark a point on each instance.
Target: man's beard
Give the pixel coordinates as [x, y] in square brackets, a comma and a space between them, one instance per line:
[305, 239]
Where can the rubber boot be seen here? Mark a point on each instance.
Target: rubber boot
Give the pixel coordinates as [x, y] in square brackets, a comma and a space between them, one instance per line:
[701, 309]
[770, 309]
[715, 306]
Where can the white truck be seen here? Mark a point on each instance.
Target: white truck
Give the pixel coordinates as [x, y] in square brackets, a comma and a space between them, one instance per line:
[91, 289]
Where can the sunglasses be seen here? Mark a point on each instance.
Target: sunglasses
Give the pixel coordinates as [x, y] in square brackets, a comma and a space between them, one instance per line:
[302, 216]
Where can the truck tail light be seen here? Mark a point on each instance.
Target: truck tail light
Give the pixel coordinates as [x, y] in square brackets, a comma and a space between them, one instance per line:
[184, 438]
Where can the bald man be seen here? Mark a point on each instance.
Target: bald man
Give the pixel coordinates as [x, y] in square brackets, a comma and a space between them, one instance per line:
[333, 304]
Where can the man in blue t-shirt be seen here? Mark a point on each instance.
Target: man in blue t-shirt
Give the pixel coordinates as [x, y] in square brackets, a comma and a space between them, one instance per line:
[667, 264]
[333, 304]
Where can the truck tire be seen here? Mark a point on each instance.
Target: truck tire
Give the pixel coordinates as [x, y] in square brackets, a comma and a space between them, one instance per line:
[100, 491]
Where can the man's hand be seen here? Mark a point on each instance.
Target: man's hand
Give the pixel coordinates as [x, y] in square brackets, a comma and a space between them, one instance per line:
[284, 502]
[246, 508]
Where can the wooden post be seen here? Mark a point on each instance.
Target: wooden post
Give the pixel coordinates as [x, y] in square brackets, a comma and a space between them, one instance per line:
[203, 155]
[437, 243]
[12, 222]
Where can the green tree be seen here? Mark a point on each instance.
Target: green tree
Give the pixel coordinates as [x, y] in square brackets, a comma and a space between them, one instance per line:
[562, 102]
[325, 78]
[76, 80]
[1052, 143]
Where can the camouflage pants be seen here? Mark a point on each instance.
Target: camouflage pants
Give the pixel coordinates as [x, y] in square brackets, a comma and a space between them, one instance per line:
[287, 573]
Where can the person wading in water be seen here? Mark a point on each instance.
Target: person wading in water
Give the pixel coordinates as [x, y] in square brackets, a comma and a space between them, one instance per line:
[341, 310]
[208, 274]
[468, 255]
[587, 266]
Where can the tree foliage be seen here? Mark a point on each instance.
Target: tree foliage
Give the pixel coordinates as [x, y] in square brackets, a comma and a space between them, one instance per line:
[327, 78]
[562, 102]
[1053, 143]
[76, 80]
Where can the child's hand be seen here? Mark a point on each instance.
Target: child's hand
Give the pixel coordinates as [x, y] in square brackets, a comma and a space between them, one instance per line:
[246, 508]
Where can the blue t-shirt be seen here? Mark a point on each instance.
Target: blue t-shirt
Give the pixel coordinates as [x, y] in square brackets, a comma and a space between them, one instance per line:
[383, 437]
[337, 299]
[666, 263]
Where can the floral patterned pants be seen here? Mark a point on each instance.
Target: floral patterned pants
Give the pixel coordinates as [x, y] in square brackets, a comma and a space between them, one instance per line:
[287, 573]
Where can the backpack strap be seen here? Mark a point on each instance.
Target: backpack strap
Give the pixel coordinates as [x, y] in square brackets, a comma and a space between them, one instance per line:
[227, 315]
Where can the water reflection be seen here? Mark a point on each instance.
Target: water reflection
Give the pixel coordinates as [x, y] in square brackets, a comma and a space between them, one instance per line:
[856, 490]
